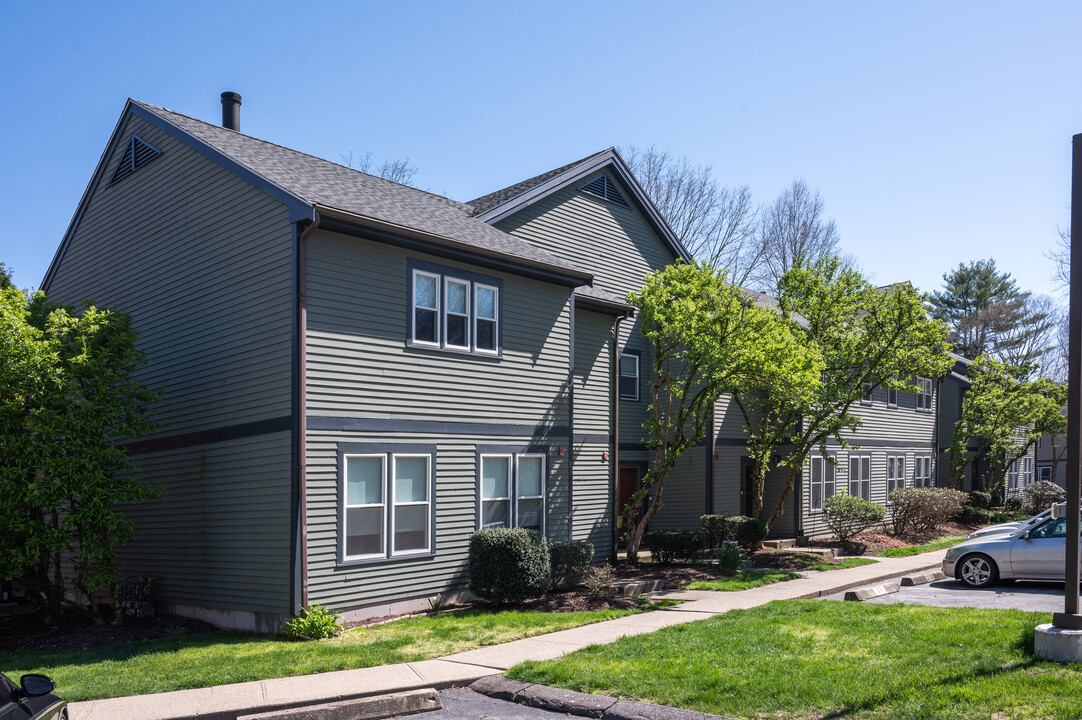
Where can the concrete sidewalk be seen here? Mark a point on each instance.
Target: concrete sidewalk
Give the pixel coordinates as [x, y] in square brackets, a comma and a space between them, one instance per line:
[226, 702]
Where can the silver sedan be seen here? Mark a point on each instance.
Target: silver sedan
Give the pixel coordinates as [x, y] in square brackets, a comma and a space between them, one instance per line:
[1032, 553]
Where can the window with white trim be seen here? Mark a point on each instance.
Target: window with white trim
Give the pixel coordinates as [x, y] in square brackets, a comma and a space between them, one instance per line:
[512, 490]
[860, 476]
[924, 394]
[1012, 476]
[892, 396]
[895, 473]
[867, 398]
[822, 483]
[629, 376]
[454, 311]
[387, 505]
[1027, 471]
[1045, 473]
[922, 471]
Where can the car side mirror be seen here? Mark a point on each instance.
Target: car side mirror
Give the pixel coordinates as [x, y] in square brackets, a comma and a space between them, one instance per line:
[34, 684]
[1025, 535]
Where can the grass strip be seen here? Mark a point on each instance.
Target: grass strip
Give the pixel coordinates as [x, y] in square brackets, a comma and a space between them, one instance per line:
[849, 562]
[743, 580]
[192, 661]
[819, 659]
[938, 544]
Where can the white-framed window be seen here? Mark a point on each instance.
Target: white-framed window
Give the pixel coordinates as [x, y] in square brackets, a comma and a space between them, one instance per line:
[860, 476]
[629, 376]
[822, 485]
[1027, 471]
[867, 397]
[1012, 475]
[895, 473]
[486, 318]
[892, 396]
[456, 318]
[1045, 473]
[511, 490]
[1039, 437]
[922, 471]
[426, 308]
[386, 502]
[454, 310]
[924, 394]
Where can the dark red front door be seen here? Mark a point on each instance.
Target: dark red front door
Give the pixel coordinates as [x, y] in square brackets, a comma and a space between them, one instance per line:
[629, 483]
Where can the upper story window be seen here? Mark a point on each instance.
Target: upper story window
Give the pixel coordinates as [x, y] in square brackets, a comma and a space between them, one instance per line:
[454, 310]
[924, 394]
[629, 375]
[892, 397]
[867, 399]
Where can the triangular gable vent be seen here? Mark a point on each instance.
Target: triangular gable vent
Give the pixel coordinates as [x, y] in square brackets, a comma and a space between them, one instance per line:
[605, 189]
[138, 153]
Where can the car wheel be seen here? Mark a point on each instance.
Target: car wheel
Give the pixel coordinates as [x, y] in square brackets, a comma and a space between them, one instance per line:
[978, 570]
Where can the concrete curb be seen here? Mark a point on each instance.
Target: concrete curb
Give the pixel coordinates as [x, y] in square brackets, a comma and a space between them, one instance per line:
[889, 575]
[928, 576]
[872, 591]
[410, 702]
[581, 704]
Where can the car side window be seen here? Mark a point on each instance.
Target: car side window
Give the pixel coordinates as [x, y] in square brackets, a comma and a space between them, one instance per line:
[1051, 529]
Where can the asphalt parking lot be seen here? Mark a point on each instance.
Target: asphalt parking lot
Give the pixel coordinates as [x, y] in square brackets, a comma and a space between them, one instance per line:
[1030, 596]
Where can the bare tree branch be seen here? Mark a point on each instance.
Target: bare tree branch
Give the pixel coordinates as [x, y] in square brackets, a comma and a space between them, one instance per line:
[399, 171]
[791, 229]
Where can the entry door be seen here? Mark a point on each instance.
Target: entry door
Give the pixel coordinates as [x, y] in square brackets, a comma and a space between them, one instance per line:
[747, 491]
[628, 484]
[1043, 555]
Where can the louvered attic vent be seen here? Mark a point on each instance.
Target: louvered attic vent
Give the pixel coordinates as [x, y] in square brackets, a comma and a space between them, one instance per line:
[604, 188]
[138, 153]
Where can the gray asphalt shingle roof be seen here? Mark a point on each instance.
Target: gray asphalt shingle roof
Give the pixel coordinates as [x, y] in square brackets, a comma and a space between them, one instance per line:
[494, 199]
[326, 184]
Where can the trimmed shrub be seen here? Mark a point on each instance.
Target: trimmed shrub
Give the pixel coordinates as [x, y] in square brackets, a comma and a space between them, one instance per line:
[670, 546]
[970, 515]
[1041, 495]
[730, 558]
[570, 561]
[509, 565]
[314, 623]
[716, 529]
[848, 515]
[997, 499]
[748, 532]
[922, 509]
[979, 499]
[1012, 504]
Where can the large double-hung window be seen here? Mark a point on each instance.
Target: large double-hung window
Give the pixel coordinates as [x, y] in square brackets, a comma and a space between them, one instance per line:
[922, 471]
[860, 476]
[924, 394]
[511, 490]
[385, 502]
[822, 481]
[895, 473]
[453, 310]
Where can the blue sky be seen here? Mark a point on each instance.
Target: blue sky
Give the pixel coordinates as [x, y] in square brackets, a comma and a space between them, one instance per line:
[937, 133]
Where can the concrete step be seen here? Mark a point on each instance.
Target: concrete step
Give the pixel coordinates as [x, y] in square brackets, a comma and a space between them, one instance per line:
[639, 586]
[779, 544]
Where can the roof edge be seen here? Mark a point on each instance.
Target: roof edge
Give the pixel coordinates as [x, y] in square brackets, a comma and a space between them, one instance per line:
[571, 276]
[577, 172]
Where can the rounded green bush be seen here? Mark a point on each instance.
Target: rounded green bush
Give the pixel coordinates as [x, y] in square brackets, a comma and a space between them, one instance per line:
[848, 515]
[509, 565]
[570, 561]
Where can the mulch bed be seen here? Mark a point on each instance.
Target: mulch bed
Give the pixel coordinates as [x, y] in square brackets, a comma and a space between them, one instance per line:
[873, 543]
[674, 575]
[77, 631]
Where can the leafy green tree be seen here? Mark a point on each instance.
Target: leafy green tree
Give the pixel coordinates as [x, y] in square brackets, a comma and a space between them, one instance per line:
[865, 337]
[708, 337]
[1001, 419]
[5, 276]
[989, 314]
[70, 393]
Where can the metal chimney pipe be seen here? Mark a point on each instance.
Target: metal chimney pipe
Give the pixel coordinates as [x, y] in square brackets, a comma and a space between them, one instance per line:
[231, 111]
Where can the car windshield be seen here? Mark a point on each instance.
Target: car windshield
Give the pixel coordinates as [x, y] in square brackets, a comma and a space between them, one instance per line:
[1051, 529]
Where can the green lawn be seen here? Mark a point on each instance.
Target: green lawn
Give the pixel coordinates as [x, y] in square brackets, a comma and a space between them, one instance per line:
[938, 544]
[743, 580]
[192, 661]
[819, 659]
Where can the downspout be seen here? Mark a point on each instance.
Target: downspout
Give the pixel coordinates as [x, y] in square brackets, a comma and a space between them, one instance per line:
[935, 430]
[571, 425]
[614, 436]
[300, 408]
[711, 450]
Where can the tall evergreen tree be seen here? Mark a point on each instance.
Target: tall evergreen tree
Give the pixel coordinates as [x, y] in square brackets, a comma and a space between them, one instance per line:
[988, 314]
